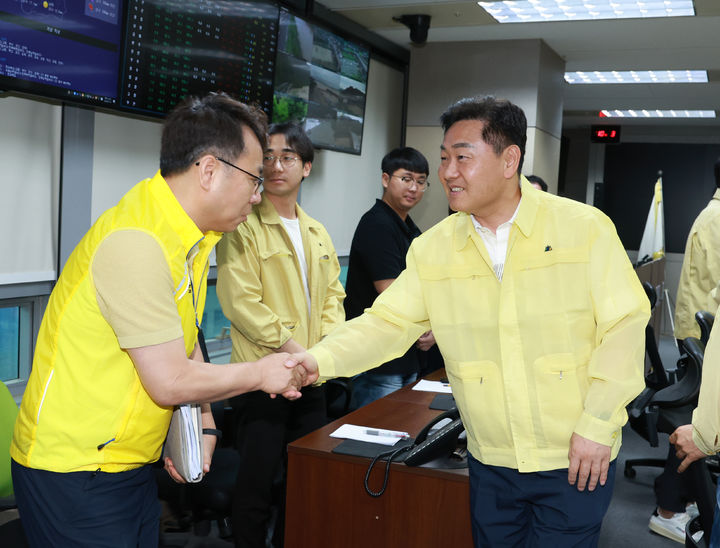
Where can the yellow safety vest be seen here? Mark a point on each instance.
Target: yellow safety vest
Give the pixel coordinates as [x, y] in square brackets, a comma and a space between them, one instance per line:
[84, 407]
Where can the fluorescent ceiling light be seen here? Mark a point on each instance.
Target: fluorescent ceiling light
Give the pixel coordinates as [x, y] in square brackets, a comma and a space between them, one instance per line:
[641, 113]
[637, 77]
[528, 11]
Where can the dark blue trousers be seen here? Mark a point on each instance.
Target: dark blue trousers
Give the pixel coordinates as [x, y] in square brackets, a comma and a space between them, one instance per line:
[537, 509]
[88, 509]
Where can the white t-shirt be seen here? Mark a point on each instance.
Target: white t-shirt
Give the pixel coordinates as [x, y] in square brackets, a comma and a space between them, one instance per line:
[293, 229]
[496, 243]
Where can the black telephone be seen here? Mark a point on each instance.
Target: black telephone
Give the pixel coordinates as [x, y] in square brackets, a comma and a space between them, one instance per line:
[426, 447]
[440, 443]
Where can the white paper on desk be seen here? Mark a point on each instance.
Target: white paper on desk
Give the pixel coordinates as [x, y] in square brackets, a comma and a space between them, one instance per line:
[433, 386]
[359, 433]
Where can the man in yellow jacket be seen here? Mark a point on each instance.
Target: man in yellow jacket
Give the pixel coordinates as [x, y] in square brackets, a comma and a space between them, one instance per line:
[702, 438]
[117, 347]
[701, 268]
[278, 284]
[540, 319]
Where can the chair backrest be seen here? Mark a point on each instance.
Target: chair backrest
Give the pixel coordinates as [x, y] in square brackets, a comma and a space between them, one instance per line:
[8, 413]
[651, 294]
[656, 377]
[705, 321]
[686, 390]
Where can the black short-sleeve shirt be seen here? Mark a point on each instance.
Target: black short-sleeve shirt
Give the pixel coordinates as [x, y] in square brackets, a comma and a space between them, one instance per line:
[379, 246]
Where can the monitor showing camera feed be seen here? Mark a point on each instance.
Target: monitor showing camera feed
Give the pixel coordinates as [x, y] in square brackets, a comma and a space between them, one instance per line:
[66, 49]
[321, 82]
[175, 48]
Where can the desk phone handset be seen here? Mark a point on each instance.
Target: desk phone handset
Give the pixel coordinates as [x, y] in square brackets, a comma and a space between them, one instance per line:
[429, 446]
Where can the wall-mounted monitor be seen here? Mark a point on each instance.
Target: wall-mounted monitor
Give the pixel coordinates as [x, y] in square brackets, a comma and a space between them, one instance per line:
[320, 81]
[65, 49]
[175, 48]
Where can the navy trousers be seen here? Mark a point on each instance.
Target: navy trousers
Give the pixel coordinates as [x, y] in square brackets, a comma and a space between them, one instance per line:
[88, 509]
[537, 509]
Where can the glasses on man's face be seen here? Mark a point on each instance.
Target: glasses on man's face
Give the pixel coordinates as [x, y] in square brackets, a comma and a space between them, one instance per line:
[257, 181]
[286, 160]
[408, 181]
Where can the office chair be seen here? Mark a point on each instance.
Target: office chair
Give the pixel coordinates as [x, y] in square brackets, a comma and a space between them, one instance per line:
[705, 320]
[338, 396]
[656, 376]
[664, 410]
[11, 532]
[211, 498]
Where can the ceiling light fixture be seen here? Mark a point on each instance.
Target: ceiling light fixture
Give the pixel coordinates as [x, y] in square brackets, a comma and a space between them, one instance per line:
[528, 11]
[657, 114]
[637, 77]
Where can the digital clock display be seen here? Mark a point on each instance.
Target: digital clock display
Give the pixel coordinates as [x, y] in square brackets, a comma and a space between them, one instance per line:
[605, 134]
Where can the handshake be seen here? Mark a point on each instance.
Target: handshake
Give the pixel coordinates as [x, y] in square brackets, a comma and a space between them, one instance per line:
[285, 374]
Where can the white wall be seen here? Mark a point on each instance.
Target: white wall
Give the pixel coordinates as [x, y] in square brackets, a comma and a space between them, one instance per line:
[125, 151]
[30, 160]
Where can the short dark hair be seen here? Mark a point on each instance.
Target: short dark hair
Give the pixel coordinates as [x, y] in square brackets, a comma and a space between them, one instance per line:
[538, 180]
[405, 158]
[296, 139]
[717, 173]
[212, 124]
[505, 122]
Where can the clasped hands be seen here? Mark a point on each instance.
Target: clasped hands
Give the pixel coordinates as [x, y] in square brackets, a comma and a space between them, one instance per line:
[286, 374]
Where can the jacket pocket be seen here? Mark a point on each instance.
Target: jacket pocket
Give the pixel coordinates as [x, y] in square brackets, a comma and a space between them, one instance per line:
[474, 285]
[479, 391]
[561, 388]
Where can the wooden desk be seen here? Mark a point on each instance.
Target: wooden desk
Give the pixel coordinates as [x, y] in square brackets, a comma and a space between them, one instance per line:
[327, 505]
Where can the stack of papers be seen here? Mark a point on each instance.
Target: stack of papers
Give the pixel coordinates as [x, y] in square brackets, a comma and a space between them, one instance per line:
[372, 435]
[184, 444]
[433, 386]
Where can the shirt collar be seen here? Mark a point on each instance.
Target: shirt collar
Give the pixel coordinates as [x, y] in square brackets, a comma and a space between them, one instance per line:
[408, 225]
[524, 217]
[267, 213]
[478, 226]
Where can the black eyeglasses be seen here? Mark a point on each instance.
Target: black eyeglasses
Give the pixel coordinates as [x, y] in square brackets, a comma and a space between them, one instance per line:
[258, 181]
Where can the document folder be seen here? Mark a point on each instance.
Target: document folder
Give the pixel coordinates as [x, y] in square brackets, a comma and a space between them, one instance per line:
[184, 444]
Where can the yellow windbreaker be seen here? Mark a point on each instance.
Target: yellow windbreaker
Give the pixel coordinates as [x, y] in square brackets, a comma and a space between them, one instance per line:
[260, 289]
[555, 348]
[700, 271]
[84, 407]
[706, 417]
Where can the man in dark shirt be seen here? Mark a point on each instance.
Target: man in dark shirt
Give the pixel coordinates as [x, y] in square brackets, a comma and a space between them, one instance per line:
[377, 256]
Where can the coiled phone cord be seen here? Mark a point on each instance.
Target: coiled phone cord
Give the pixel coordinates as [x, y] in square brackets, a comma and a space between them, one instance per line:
[391, 455]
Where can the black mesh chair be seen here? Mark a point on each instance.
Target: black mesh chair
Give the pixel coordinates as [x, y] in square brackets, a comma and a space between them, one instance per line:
[210, 499]
[656, 376]
[705, 320]
[664, 410]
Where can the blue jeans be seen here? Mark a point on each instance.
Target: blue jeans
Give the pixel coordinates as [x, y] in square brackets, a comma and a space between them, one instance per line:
[371, 385]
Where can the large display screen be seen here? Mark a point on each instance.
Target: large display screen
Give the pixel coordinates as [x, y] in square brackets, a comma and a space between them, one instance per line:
[175, 48]
[321, 82]
[67, 49]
